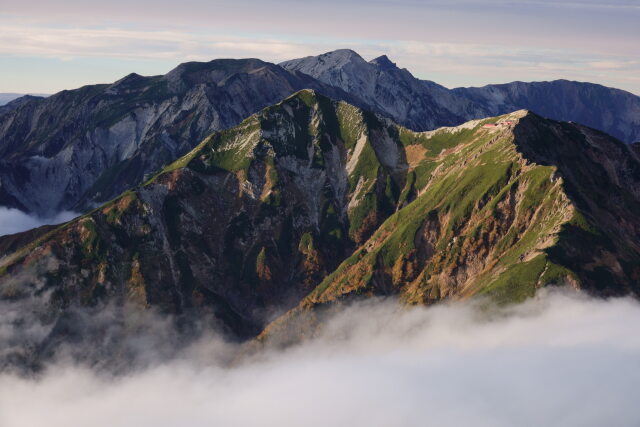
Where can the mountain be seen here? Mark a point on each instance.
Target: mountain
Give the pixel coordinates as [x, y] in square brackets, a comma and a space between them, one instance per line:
[505, 211]
[419, 105]
[17, 102]
[77, 149]
[6, 98]
[611, 110]
[313, 201]
[425, 105]
[80, 147]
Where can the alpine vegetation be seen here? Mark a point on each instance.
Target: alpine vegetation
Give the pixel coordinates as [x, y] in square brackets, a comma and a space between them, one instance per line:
[312, 202]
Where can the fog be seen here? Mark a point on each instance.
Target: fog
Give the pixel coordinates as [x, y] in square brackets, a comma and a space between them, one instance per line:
[14, 220]
[560, 359]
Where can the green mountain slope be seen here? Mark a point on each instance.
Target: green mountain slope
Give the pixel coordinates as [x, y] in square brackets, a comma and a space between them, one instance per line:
[313, 201]
[529, 203]
[245, 224]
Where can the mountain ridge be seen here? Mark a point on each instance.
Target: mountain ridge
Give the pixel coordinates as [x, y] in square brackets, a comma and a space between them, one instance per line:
[614, 111]
[313, 201]
[79, 148]
[391, 90]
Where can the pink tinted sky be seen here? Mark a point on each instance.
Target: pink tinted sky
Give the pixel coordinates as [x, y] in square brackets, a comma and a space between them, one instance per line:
[48, 46]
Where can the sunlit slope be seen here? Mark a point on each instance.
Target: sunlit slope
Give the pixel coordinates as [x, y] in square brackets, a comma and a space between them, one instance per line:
[502, 211]
[311, 201]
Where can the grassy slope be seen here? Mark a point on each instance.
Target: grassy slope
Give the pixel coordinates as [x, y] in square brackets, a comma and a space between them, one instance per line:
[488, 207]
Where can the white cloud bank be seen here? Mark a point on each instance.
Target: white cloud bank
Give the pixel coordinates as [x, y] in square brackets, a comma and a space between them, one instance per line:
[14, 220]
[558, 360]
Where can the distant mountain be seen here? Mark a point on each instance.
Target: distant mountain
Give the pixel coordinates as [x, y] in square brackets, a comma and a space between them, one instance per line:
[77, 149]
[611, 110]
[5, 98]
[14, 103]
[419, 105]
[312, 201]
[80, 147]
[424, 105]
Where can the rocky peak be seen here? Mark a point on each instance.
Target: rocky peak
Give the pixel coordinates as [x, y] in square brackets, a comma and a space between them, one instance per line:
[127, 84]
[340, 57]
[384, 63]
[398, 95]
[212, 72]
[327, 64]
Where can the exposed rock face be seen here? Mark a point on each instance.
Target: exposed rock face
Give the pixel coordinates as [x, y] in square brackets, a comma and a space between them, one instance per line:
[419, 105]
[613, 111]
[312, 201]
[84, 146]
[424, 105]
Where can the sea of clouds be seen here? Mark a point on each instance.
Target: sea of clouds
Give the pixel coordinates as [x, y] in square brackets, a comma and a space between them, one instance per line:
[14, 220]
[560, 359]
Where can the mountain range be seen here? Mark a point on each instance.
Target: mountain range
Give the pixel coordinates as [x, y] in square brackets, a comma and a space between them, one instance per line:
[314, 201]
[77, 149]
[6, 98]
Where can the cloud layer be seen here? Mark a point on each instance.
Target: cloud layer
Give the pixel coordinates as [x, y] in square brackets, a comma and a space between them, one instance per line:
[557, 360]
[14, 221]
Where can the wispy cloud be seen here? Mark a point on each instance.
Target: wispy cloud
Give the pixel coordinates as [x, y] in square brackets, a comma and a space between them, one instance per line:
[451, 64]
[461, 42]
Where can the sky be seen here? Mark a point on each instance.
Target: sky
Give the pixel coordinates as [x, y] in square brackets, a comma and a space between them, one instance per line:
[48, 46]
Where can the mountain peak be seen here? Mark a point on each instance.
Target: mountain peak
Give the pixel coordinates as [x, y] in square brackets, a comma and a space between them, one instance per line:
[384, 62]
[342, 53]
[308, 96]
[227, 66]
[340, 57]
[127, 83]
[128, 79]
[326, 61]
